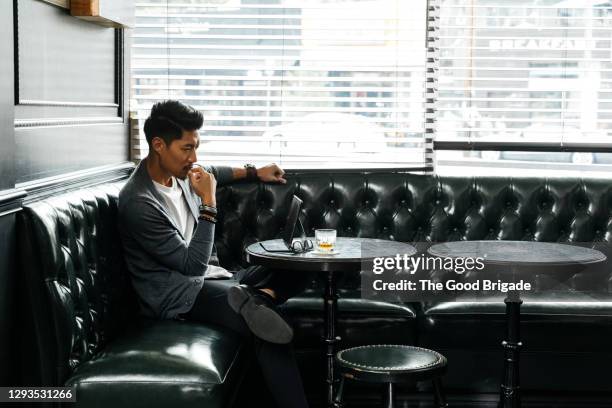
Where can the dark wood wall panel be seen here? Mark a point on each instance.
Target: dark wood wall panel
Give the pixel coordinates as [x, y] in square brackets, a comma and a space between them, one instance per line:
[70, 111]
[49, 151]
[8, 301]
[63, 93]
[62, 58]
[7, 182]
[7, 139]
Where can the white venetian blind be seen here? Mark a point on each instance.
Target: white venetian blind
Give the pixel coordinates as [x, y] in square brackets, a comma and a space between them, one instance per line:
[309, 83]
[524, 71]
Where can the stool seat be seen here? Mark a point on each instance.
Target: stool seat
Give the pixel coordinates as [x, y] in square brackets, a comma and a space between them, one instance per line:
[390, 364]
[390, 357]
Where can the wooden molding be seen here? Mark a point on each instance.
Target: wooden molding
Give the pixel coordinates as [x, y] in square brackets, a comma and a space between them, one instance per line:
[47, 187]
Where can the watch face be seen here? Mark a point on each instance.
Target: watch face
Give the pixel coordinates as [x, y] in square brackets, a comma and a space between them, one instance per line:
[251, 172]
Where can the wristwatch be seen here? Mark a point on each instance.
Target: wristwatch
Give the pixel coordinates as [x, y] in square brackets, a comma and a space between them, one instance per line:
[251, 172]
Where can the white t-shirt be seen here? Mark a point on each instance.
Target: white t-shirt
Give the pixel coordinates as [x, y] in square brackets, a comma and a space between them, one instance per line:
[178, 209]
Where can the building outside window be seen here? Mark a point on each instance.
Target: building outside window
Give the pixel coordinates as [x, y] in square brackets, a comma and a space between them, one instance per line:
[304, 83]
[343, 83]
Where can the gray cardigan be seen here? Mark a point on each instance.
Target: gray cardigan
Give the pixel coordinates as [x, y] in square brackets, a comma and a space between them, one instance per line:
[166, 273]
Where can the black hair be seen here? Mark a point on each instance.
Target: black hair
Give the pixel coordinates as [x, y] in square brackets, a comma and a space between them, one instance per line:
[169, 118]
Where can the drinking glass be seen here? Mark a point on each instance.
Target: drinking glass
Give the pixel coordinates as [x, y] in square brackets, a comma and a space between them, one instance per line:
[325, 240]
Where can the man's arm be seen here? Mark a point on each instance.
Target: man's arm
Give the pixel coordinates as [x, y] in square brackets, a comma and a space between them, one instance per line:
[160, 240]
[223, 174]
[271, 173]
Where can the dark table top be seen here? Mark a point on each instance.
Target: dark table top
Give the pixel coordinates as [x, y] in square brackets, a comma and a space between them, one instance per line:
[351, 253]
[520, 254]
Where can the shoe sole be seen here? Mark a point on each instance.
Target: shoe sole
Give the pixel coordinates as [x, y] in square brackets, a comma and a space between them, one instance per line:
[263, 321]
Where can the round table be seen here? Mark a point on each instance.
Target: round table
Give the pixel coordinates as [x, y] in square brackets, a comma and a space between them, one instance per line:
[351, 253]
[518, 258]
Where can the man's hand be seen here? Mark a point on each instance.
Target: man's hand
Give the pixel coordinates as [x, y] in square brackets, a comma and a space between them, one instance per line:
[271, 174]
[204, 184]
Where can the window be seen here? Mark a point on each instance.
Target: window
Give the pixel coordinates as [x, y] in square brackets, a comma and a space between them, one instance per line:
[307, 84]
[525, 74]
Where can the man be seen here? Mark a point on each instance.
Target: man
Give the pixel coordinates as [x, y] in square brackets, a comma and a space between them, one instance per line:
[167, 214]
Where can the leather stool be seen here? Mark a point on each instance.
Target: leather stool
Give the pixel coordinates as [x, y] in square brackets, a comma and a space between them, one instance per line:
[391, 364]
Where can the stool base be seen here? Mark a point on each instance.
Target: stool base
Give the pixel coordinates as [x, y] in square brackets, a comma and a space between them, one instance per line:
[390, 398]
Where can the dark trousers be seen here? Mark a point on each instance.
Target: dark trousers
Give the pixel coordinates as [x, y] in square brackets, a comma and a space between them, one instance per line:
[277, 361]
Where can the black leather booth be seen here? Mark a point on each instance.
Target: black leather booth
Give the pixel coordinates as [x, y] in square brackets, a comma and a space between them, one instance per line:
[84, 330]
[565, 342]
[84, 326]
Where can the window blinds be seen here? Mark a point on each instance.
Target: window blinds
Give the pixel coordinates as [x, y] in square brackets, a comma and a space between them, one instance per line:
[307, 84]
[522, 74]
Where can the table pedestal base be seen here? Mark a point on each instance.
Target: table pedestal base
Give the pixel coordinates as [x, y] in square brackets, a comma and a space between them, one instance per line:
[510, 393]
[330, 299]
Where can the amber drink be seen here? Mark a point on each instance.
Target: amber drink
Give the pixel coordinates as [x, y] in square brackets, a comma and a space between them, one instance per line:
[325, 240]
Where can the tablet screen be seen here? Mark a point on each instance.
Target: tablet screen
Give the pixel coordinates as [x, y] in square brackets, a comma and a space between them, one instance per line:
[292, 218]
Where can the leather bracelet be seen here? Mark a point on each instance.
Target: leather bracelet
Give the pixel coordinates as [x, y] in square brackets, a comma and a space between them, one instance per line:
[251, 172]
[208, 218]
[206, 209]
[205, 214]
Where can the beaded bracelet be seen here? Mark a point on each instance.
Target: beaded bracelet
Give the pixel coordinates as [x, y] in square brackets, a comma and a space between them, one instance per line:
[208, 218]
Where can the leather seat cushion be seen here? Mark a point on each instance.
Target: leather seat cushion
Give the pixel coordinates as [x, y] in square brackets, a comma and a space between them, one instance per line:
[573, 322]
[480, 371]
[359, 321]
[561, 341]
[163, 364]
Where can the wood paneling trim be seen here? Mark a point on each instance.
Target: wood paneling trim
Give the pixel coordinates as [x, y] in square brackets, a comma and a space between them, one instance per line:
[11, 201]
[15, 52]
[29, 123]
[40, 189]
[68, 103]
[10, 195]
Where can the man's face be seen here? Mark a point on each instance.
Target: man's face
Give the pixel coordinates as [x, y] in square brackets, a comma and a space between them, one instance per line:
[178, 157]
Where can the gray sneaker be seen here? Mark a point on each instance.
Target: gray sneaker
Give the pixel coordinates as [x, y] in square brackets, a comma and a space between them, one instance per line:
[260, 314]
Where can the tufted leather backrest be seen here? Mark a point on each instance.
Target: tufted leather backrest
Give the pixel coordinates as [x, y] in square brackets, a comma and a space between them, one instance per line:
[77, 291]
[419, 208]
[75, 281]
